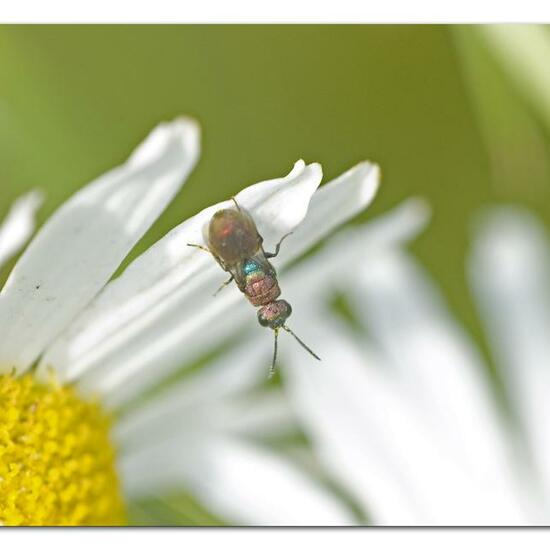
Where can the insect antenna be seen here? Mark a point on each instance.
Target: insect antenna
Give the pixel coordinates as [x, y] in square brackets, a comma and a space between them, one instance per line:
[302, 343]
[272, 368]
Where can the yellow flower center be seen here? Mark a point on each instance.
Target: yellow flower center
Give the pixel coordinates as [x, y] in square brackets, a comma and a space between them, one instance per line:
[56, 459]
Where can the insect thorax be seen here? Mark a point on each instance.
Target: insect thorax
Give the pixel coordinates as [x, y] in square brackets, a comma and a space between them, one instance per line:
[250, 267]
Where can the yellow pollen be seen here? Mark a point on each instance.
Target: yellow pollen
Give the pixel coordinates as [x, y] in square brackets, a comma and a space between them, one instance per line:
[57, 463]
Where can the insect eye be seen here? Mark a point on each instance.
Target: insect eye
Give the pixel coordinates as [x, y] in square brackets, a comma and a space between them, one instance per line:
[262, 320]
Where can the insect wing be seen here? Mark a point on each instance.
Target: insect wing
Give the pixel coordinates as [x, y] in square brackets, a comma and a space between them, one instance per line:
[233, 237]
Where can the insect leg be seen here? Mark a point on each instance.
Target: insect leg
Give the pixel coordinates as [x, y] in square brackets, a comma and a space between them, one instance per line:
[224, 284]
[199, 246]
[205, 249]
[273, 254]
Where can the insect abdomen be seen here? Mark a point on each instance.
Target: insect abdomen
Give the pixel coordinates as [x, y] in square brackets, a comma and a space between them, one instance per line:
[261, 289]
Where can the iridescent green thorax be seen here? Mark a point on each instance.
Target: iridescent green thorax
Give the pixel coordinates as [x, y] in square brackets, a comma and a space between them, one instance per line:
[250, 267]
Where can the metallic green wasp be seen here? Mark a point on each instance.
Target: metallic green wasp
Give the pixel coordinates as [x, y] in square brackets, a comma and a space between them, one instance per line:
[234, 242]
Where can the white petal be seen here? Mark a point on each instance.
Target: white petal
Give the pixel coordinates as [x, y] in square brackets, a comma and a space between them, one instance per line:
[231, 375]
[440, 367]
[261, 415]
[325, 270]
[237, 481]
[84, 242]
[510, 273]
[332, 205]
[177, 319]
[431, 355]
[271, 415]
[330, 398]
[368, 430]
[19, 225]
[437, 373]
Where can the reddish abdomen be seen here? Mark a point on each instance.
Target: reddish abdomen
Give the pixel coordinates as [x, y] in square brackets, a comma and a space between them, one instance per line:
[261, 289]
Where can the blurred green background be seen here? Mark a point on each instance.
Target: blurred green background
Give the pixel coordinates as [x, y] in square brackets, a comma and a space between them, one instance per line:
[74, 100]
[436, 106]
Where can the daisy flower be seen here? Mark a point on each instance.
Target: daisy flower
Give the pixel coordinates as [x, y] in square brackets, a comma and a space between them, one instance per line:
[80, 351]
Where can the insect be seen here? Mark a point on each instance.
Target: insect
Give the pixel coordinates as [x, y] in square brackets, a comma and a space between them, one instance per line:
[234, 242]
